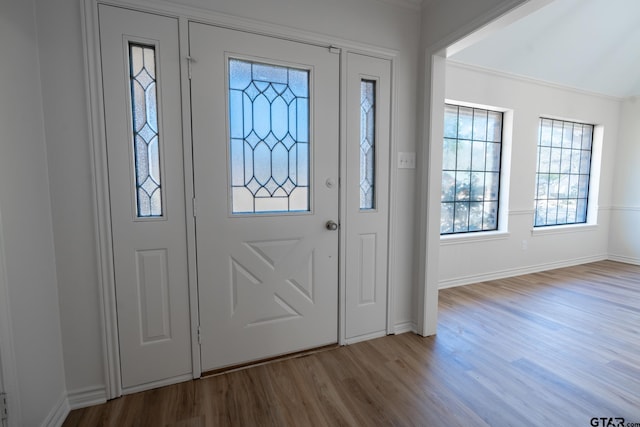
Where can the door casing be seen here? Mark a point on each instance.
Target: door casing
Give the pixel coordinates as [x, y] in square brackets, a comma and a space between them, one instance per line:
[103, 230]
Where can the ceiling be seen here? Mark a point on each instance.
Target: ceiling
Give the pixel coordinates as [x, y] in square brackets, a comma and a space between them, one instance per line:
[592, 45]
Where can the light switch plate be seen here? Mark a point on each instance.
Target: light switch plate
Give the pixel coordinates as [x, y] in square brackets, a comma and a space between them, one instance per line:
[406, 160]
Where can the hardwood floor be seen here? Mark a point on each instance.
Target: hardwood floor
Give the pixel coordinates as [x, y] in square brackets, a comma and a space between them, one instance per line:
[547, 349]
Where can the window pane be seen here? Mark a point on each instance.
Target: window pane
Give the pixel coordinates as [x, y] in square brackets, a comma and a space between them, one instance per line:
[446, 218]
[367, 143]
[463, 181]
[269, 145]
[449, 186]
[493, 157]
[146, 150]
[475, 216]
[450, 121]
[461, 222]
[545, 132]
[478, 155]
[541, 213]
[494, 126]
[465, 123]
[463, 162]
[471, 169]
[449, 154]
[480, 125]
[477, 186]
[562, 176]
[490, 216]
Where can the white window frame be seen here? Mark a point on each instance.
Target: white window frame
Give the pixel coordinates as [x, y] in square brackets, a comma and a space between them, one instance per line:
[594, 184]
[505, 173]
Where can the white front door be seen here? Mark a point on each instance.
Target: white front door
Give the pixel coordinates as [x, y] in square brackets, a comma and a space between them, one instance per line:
[265, 152]
[140, 60]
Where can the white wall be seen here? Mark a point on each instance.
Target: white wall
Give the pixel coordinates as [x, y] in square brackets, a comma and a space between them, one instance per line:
[68, 148]
[65, 117]
[624, 237]
[468, 261]
[444, 22]
[26, 220]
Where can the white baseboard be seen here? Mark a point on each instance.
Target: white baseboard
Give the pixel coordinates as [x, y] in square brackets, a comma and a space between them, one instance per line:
[625, 259]
[511, 272]
[365, 337]
[58, 413]
[403, 327]
[157, 384]
[87, 396]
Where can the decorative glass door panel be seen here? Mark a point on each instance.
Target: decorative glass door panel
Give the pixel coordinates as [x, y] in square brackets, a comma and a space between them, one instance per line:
[269, 133]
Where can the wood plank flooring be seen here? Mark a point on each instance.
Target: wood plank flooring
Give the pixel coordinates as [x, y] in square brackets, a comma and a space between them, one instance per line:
[548, 349]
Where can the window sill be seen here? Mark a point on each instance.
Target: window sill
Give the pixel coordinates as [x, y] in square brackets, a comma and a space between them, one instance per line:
[481, 236]
[563, 229]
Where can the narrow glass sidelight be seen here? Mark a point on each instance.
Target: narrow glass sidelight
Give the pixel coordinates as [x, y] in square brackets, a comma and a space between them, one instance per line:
[269, 138]
[144, 108]
[367, 144]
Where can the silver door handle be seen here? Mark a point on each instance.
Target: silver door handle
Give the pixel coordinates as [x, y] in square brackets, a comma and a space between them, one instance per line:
[331, 225]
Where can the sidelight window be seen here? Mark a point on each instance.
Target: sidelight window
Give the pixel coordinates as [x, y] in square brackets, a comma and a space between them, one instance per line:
[146, 152]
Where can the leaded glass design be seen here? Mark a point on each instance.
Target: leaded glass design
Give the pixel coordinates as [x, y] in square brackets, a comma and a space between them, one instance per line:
[269, 137]
[144, 106]
[562, 176]
[470, 169]
[367, 143]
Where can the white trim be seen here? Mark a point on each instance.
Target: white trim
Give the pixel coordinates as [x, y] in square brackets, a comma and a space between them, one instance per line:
[207, 16]
[517, 271]
[99, 173]
[342, 198]
[405, 327]
[87, 396]
[365, 337]
[9, 375]
[157, 384]
[480, 236]
[189, 194]
[625, 259]
[562, 229]
[531, 80]
[517, 212]
[393, 205]
[58, 413]
[622, 208]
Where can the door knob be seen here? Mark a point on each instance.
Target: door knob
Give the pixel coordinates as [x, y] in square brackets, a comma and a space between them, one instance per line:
[331, 225]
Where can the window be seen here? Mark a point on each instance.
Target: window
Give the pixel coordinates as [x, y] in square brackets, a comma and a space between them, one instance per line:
[470, 169]
[269, 127]
[146, 150]
[367, 143]
[563, 171]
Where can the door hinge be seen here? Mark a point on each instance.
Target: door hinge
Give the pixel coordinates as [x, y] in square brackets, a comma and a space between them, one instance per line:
[190, 62]
[193, 204]
[4, 413]
[199, 335]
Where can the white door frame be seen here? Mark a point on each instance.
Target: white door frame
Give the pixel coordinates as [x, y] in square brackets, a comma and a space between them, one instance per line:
[100, 173]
